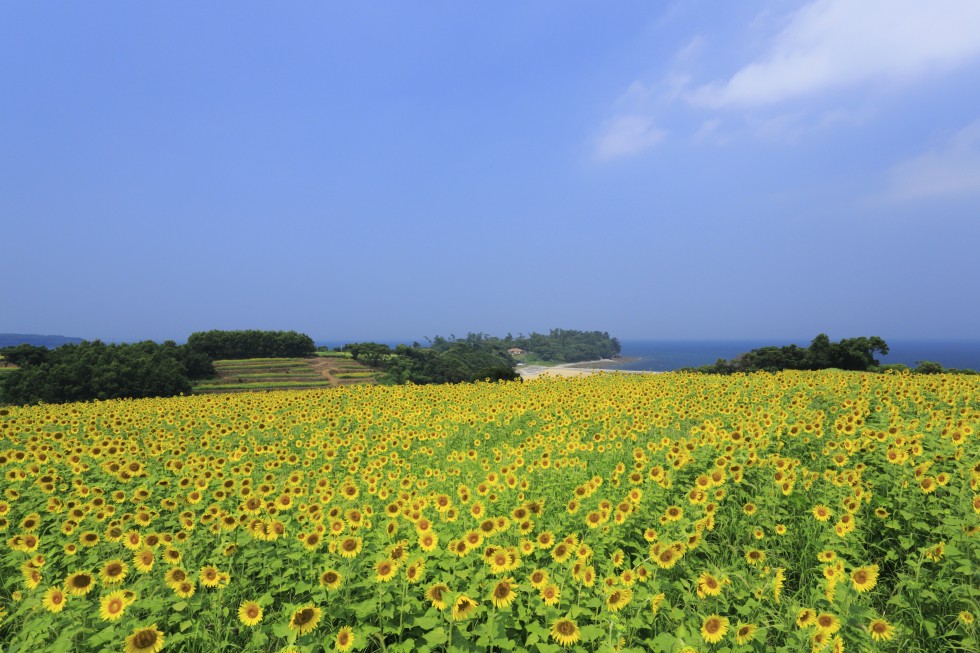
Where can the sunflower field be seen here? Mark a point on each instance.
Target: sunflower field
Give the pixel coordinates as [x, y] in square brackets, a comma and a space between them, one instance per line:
[800, 511]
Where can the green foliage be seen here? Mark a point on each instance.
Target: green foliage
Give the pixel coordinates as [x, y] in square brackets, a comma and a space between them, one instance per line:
[458, 362]
[855, 354]
[559, 345]
[95, 370]
[252, 344]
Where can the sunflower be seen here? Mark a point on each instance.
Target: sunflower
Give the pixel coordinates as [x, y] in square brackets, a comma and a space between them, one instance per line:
[112, 606]
[827, 556]
[713, 628]
[755, 556]
[744, 633]
[184, 589]
[550, 594]
[561, 553]
[345, 639]
[656, 601]
[503, 593]
[305, 619]
[821, 512]
[428, 542]
[865, 578]
[331, 579]
[143, 560]
[88, 539]
[966, 617]
[415, 572]
[538, 578]
[174, 576]
[385, 570]
[209, 576]
[350, 547]
[113, 572]
[819, 641]
[708, 585]
[880, 630]
[145, 640]
[828, 623]
[777, 583]
[250, 613]
[546, 540]
[54, 600]
[436, 595]
[463, 607]
[499, 562]
[79, 584]
[665, 557]
[565, 632]
[619, 599]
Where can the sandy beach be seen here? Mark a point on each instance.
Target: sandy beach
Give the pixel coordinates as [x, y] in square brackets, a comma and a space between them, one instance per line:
[586, 368]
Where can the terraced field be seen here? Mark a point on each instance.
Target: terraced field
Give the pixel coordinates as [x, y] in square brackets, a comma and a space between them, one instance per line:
[285, 374]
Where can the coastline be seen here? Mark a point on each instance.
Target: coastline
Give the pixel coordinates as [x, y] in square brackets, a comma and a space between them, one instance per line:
[583, 368]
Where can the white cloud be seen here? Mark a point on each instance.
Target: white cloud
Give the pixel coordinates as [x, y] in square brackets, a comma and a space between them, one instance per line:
[951, 170]
[691, 50]
[625, 135]
[836, 43]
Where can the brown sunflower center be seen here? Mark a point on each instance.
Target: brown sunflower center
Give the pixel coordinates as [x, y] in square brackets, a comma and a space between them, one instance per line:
[712, 626]
[565, 627]
[145, 639]
[82, 580]
[304, 616]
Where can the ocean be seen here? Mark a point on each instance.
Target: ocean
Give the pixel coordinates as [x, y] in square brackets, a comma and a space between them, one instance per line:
[665, 356]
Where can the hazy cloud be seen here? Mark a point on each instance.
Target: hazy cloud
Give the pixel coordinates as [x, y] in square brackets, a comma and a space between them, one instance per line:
[951, 170]
[626, 135]
[834, 43]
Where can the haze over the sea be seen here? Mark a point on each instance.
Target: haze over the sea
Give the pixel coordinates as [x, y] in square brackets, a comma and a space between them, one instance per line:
[684, 170]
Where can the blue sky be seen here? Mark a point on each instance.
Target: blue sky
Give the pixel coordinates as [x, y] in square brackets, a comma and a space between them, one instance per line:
[395, 170]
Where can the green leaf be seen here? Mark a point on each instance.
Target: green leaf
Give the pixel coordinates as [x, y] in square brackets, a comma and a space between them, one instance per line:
[436, 636]
[180, 607]
[591, 633]
[185, 625]
[102, 636]
[427, 622]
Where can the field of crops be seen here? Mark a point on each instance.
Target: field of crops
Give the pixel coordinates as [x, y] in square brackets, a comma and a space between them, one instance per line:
[791, 512]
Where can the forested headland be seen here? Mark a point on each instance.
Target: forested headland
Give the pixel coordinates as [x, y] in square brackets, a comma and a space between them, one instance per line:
[479, 356]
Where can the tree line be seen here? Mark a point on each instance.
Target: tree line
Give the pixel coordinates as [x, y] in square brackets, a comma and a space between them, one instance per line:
[96, 370]
[857, 354]
[225, 345]
[558, 345]
[459, 362]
